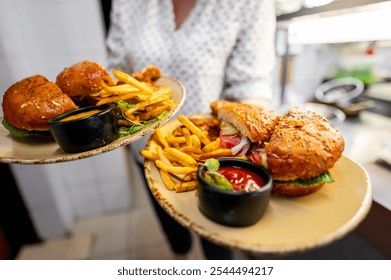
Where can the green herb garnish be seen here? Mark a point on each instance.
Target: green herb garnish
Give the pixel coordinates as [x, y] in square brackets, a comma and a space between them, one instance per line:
[125, 131]
[123, 104]
[215, 178]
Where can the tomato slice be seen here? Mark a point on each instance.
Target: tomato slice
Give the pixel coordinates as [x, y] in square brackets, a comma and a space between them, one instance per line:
[256, 155]
[229, 141]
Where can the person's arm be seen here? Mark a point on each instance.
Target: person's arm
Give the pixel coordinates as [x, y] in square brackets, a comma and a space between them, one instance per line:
[249, 69]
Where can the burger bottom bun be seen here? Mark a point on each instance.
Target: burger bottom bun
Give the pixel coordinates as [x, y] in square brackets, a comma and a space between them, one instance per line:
[294, 189]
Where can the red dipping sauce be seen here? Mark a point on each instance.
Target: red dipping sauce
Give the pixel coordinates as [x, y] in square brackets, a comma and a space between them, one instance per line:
[242, 179]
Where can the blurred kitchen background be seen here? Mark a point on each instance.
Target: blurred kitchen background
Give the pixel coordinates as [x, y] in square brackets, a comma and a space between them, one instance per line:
[332, 56]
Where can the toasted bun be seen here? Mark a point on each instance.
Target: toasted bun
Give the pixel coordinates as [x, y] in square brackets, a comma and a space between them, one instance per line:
[253, 121]
[148, 74]
[304, 145]
[83, 78]
[294, 189]
[31, 102]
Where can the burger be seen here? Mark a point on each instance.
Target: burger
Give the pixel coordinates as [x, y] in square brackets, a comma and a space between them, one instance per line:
[30, 103]
[301, 150]
[81, 80]
[297, 149]
[244, 127]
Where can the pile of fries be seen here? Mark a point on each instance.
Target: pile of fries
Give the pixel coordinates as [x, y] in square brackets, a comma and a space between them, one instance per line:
[138, 101]
[177, 156]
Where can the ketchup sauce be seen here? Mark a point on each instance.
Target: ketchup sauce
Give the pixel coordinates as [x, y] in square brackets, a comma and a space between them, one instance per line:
[242, 179]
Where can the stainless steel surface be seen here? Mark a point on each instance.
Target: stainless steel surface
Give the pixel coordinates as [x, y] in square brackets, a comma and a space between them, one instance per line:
[339, 90]
[333, 114]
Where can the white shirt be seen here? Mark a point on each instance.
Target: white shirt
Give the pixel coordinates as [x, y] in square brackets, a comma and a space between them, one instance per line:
[224, 49]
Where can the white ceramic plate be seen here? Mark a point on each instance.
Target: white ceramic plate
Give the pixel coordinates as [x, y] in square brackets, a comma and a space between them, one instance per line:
[289, 224]
[14, 150]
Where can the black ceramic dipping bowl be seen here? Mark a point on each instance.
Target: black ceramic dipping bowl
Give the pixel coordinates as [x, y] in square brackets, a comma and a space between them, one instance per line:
[86, 132]
[233, 208]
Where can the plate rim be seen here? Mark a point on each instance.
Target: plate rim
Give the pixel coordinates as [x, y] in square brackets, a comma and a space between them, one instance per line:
[120, 142]
[348, 227]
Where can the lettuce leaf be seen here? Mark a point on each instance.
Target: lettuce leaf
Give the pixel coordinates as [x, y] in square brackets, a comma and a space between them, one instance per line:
[123, 104]
[325, 177]
[125, 131]
[23, 132]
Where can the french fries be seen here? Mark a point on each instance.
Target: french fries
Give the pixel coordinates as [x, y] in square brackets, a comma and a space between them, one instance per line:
[137, 101]
[167, 180]
[149, 155]
[132, 81]
[185, 186]
[216, 154]
[177, 155]
[120, 89]
[211, 146]
[175, 169]
[116, 97]
[183, 157]
[186, 122]
[161, 138]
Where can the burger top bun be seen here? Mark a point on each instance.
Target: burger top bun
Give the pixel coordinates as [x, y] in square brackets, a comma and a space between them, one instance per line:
[303, 145]
[83, 78]
[31, 102]
[253, 121]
